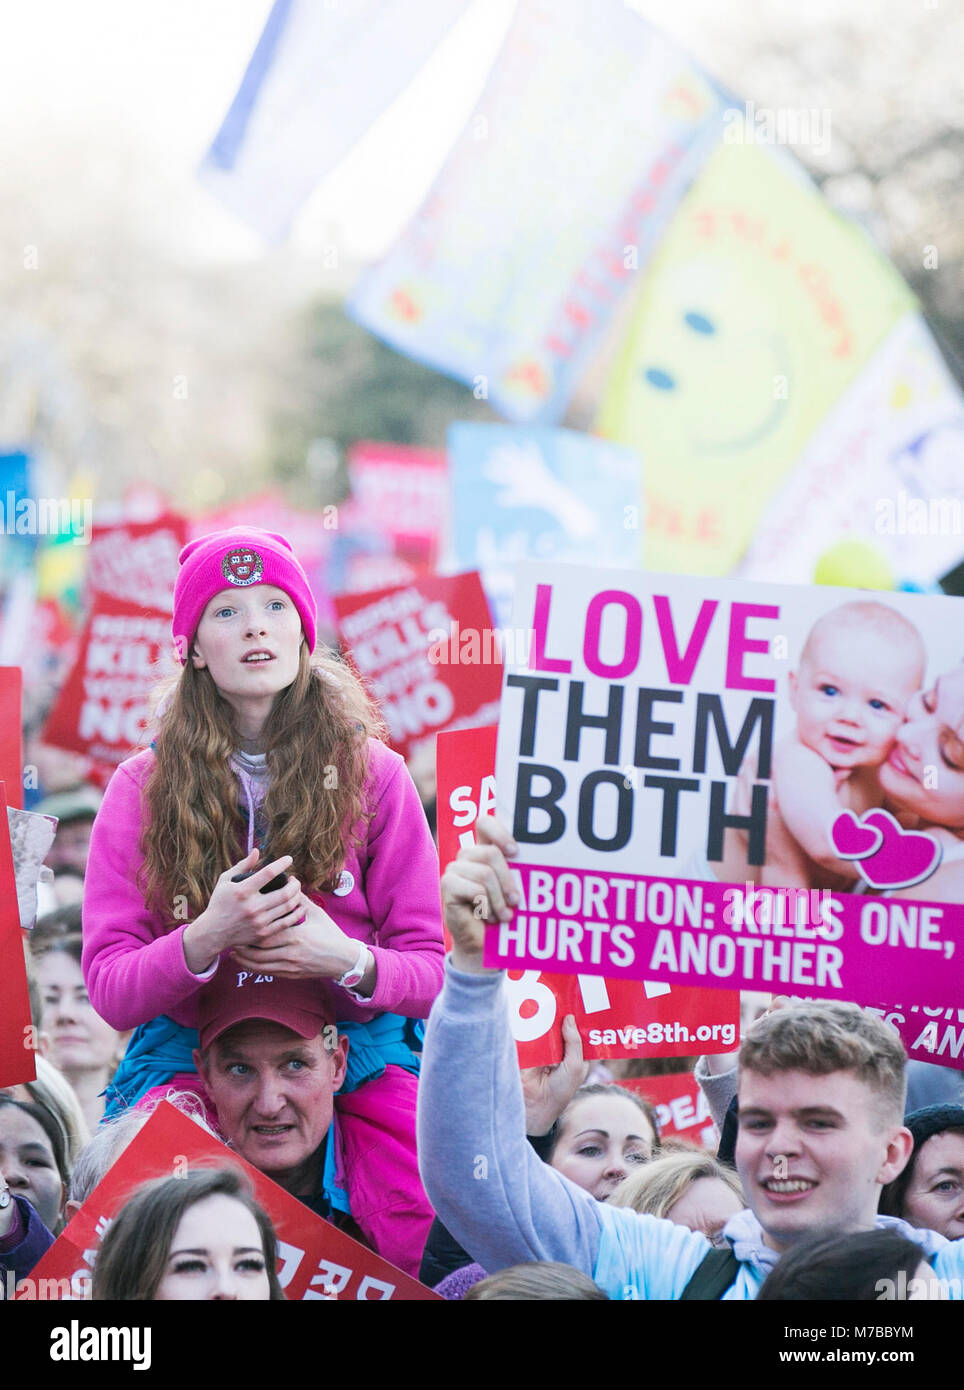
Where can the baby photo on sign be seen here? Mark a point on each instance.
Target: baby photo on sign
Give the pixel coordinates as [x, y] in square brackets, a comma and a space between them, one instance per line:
[866, 777]
[794, 737]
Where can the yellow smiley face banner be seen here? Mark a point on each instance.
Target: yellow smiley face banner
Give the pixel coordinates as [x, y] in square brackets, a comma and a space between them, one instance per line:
[760, 307]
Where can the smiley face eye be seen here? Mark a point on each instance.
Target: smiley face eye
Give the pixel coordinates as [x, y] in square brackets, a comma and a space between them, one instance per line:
[663, 381]
[699, 323]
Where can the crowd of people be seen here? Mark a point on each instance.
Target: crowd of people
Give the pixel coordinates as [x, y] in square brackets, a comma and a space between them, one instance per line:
[261, 943]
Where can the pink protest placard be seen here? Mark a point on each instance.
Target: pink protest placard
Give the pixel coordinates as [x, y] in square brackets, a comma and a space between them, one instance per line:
[672, 748]
[929, 1033]
[16, 1034]
[400, 491]
[829, 945]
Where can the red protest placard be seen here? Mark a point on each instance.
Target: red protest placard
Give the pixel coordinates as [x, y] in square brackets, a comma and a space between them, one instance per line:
[400, 492]
[681, 1108]
[465, 775]
[136, 561]
[103, 707]
[11, 734]
[49, 654]
[616, 1018]
[16, 1055]
[314, 1257]
[429, 652]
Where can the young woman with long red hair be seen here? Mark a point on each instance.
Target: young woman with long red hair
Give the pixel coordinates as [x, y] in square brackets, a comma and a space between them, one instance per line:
[267, 829]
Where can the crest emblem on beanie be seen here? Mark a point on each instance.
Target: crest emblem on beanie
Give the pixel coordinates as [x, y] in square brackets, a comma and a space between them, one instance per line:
[242, 566]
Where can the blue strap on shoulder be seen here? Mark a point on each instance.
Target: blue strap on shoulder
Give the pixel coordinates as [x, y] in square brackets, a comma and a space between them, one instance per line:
[157, 1051]
[336, 1195]
[387, 1040]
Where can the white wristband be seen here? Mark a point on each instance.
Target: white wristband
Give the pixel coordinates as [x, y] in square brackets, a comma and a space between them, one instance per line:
[355, 974]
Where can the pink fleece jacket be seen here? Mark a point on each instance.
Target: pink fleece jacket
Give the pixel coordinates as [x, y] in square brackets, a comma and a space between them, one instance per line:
[133, 959]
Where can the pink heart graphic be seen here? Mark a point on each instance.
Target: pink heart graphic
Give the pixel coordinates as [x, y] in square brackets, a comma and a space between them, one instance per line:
[852, 840]
[906, 857]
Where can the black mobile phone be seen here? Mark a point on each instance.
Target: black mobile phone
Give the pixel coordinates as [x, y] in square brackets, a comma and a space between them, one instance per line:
[277, 882]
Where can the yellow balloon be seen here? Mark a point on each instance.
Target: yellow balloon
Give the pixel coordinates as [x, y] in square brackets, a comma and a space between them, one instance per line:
[854, 565]
[59, 567]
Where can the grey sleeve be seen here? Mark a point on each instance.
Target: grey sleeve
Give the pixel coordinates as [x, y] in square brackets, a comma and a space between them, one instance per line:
[718, 1090]
[491, 1191]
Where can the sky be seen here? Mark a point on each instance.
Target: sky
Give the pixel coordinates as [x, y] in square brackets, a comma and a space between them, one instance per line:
[155, 80]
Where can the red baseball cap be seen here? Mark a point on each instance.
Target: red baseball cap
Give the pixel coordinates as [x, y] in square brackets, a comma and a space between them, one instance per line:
[236, 994]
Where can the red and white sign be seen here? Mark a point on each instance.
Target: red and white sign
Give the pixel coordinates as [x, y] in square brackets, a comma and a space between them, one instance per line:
[616, 1018]
[681, 1108]
[400, 492]
[136, 561]
[11, 734]
[315, 1258]
[309, 533]
[16, 1034]
[429, 652]
[465, 775]
[103, 707]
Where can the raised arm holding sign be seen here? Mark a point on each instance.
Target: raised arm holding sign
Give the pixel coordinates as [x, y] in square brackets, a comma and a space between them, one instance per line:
[506, 1207]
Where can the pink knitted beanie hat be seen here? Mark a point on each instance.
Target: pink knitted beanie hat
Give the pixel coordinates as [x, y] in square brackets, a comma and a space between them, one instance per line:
[236, 559]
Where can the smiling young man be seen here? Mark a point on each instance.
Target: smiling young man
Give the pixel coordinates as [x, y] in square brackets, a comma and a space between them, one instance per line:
[272, 1060]
[821, 1132]
[821, 1104]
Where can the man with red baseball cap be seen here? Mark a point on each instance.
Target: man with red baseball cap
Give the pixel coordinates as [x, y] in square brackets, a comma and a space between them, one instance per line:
[272, 1060]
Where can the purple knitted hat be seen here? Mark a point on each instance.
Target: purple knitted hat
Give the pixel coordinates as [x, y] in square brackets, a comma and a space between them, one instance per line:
[236, 559]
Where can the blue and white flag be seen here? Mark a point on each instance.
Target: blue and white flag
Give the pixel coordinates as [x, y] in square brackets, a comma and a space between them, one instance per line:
[320, 75]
